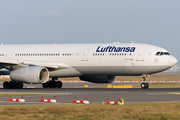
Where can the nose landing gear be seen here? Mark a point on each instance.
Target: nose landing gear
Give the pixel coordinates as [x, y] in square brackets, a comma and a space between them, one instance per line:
[144, 84]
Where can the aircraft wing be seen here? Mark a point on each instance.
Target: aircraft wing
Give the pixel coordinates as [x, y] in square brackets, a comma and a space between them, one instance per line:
[8, 61]
[36, 63]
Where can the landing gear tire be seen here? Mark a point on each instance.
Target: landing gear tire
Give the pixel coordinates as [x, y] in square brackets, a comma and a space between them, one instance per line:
[59, 84]
[45, 85]
[144, 85]
[19, 85]
[6, 85]
[52, 84]
[12, 85]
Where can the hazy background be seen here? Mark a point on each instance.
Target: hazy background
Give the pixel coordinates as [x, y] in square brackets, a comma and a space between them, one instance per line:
[155, 22]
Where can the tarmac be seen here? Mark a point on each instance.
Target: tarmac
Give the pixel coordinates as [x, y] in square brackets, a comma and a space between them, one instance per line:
[96, 94]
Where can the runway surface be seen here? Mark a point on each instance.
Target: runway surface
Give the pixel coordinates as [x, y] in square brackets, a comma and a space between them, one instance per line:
[96, 96]
[96, 93]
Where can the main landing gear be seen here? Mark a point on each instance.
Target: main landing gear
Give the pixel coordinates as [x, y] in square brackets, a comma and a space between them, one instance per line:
[52, 84]
[144, 84]
[13, 85]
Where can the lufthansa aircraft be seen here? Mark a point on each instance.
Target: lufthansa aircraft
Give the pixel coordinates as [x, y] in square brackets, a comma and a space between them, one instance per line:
[97, 63]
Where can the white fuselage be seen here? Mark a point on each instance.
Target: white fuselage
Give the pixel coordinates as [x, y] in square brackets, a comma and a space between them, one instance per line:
[89, 59]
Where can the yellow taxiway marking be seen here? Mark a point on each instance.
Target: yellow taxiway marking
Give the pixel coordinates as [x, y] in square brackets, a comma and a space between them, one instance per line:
[172, 93]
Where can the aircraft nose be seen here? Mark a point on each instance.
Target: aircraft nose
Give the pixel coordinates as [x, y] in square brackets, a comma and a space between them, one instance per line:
[172, 61]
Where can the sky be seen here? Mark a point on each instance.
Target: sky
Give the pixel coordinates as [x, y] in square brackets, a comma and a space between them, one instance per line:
[155, 22]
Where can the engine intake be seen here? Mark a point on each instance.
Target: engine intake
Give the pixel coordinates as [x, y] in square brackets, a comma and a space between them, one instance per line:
[98, 79]
[33, 75]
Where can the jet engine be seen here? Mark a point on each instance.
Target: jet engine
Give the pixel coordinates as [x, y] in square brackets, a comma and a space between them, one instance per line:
[98, 79]
[34, 74]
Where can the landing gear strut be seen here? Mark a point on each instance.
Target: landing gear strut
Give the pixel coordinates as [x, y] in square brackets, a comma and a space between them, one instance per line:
[52, 84]
[12, 85]
[144, 84]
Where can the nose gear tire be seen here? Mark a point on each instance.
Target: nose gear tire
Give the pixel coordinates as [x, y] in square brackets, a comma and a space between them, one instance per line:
[144, 85]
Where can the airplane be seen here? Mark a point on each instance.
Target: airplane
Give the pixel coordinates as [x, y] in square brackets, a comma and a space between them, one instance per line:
[97, 63]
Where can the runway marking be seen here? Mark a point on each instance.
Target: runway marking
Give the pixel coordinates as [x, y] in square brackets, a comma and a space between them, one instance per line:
[171, 93]
[176, 93]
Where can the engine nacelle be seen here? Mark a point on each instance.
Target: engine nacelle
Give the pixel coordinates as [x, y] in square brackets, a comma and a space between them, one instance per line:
[32, 74]
[98, 79]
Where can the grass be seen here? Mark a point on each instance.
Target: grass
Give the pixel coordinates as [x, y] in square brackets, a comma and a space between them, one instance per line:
[4, 79]
[150, 111]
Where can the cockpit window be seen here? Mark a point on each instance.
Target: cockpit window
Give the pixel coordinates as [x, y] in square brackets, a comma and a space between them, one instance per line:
[158, 53]
[166, 53]
[162, 53]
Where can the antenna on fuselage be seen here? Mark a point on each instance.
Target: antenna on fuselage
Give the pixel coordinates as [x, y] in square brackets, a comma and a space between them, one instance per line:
[132, 42]
[1, 43]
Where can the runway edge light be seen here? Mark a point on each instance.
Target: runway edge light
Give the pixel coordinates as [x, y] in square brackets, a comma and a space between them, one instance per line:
[48, 100]
[16, 100]
[120, 102]
[81, 101]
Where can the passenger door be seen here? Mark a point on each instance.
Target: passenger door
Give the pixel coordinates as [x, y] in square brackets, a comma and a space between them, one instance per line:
[85, 54]
[140, 56]
[7, 54]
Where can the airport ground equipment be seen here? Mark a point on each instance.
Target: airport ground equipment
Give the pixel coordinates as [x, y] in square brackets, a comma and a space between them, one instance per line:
[48, 100]
[16, 100]
[81, 101]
